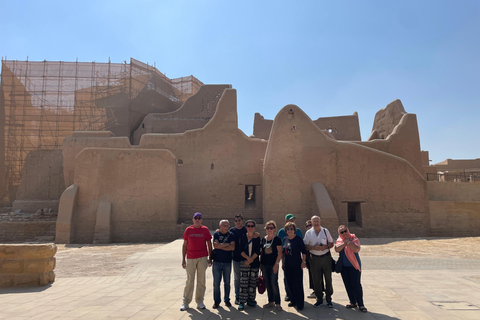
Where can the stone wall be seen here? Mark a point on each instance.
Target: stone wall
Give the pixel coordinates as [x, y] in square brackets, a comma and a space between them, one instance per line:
[27, 264]
[27, 231]
[21, 227]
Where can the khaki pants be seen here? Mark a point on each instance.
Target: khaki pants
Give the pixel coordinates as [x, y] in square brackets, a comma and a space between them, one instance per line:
[198, 266]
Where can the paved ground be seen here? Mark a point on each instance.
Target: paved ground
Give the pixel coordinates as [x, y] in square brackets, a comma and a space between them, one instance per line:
[402, 279]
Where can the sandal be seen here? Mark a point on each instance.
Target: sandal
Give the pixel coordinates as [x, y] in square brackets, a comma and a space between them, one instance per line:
[269, 305]
[363, 309]
[351, 305]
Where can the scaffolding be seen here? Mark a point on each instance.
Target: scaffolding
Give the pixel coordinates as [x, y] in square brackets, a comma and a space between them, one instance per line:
[41, 103]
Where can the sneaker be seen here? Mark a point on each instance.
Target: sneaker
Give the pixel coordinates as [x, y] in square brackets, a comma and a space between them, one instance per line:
[236, 301]
[184, 307]
[292, 304]
[228, 304]
[216, 305]
[287, 298]
[241, 306]
[252, 303]
[318, 303]
[278, 307]
[329, 304]
[201, 306]
[311, 295]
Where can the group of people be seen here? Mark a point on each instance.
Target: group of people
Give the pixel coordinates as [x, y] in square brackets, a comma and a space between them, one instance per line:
[250, 254]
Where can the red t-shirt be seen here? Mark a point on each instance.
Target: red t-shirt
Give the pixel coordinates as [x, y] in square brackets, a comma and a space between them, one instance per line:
[197, 241]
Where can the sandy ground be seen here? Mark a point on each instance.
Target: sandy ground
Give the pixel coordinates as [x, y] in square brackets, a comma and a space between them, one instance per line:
[109, 260]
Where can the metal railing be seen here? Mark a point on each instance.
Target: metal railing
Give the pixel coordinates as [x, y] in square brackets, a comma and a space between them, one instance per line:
[461, 177]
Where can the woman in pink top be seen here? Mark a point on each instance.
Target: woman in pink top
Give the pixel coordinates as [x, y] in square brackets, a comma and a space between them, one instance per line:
[348, 246]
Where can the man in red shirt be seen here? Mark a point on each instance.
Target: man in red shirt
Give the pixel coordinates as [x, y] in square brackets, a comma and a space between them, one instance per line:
[197, 248]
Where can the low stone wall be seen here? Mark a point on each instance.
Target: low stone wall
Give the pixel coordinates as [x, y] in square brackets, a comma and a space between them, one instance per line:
[24, 265]
[42, 231]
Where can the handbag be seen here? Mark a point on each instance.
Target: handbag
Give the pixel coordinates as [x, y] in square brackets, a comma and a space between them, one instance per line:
[260, 283]
[334, 263]
[339, 264]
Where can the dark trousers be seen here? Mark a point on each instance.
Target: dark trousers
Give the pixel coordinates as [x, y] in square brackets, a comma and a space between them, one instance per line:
[287, 290]
[271, 280]
[321, 267]
[294, 276]
[310, 277]
[351, 280]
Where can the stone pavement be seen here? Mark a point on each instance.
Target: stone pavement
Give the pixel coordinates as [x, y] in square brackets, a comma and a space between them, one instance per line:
[412, 287]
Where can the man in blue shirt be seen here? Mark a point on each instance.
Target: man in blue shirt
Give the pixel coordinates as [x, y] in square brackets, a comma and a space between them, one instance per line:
[282, 234]
[223, 244]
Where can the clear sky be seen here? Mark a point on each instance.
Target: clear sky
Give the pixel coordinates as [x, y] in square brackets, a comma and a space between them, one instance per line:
[331, 58]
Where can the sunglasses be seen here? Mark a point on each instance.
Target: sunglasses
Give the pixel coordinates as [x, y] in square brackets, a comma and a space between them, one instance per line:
[344, 231]
[288, 229]
[270, 228]
[197, 218]
[250, 226]
[308, 226]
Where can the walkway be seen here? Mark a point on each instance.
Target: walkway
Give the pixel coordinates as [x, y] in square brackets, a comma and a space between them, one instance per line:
[412, 287]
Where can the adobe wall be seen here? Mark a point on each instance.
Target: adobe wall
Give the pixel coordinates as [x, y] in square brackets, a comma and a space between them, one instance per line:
[392, 193]
[453, 191]
[404, 142]
[215, 164]
[261, 126]
[194, 113]
[42, 179]
[455, 218]
[387, 119]
[27, 264]
[341, 127]
[460, 164]
[140, 185]
[83, 139]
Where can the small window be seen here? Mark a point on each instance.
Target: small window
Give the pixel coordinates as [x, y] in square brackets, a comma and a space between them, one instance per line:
[354, 213]
[250, 197]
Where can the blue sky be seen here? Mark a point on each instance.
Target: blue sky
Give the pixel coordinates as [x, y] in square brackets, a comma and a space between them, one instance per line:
[330, 58]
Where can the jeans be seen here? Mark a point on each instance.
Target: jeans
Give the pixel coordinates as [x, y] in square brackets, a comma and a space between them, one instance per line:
[219, 270]
[236, 277]
[271, 280]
